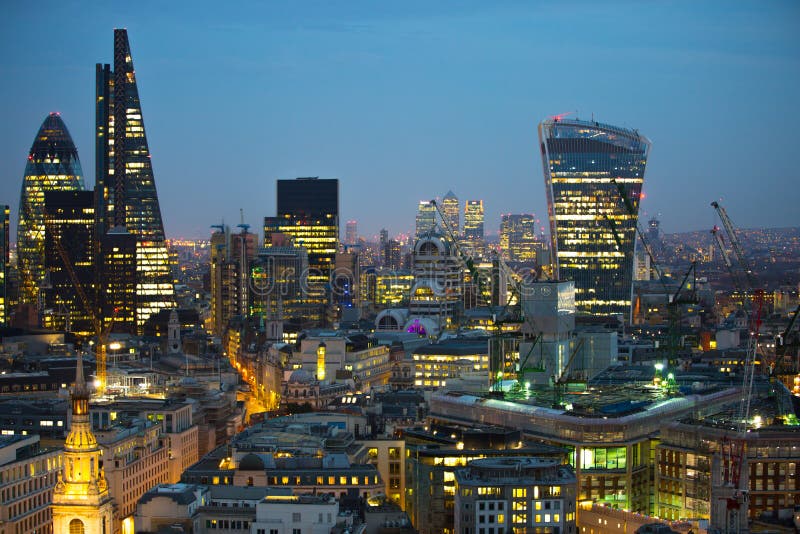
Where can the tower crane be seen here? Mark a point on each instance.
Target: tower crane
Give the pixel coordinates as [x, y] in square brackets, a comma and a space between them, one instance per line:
[101, 330]
[497, 368]
[738, 446]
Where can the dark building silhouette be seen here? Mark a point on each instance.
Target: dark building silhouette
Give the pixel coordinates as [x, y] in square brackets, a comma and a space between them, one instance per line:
[308, 214]
[70, 223]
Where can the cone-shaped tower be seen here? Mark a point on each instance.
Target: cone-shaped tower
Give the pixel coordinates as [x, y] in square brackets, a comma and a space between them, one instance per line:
[53, 165]
[128, 197]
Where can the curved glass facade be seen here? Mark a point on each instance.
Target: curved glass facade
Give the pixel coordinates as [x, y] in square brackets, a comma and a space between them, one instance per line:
[593, 176]
[53, 165]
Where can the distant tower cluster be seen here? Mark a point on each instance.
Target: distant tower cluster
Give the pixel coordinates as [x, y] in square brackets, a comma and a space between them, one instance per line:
[518, 240]
[53, 165]
[593, 176]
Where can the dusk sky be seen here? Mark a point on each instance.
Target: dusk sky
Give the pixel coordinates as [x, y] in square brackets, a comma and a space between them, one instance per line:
[403, 101]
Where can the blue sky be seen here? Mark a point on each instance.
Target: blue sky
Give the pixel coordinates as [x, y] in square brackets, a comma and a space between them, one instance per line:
[403, 101]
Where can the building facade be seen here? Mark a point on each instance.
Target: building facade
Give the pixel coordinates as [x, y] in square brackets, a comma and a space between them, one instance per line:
[426, 217]
[473, 225]
[593, 179]
[127, 196]
[69, 218]
[53, 165]
[515, 495]
[452, 213]
[308, 214]
[28, 474]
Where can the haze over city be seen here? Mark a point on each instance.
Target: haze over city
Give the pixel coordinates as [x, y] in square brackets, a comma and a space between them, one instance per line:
[404, 102]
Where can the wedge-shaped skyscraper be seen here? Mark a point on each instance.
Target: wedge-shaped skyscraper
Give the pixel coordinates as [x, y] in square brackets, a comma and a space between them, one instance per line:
[127, 198]
[53, 165]
[593, 177]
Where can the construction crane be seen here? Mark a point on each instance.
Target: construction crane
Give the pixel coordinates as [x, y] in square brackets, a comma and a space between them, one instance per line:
[101, 330]
[737, 452]
[498, 364]
[672, 308]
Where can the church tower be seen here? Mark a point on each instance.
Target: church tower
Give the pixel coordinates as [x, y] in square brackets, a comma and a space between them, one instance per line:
[81, 503]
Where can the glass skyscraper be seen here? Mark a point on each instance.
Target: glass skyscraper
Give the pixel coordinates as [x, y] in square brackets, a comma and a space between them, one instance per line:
[308, 213]
[128, 198]
[593, 176]
[53, 165]
[426, 217]
[473, 223]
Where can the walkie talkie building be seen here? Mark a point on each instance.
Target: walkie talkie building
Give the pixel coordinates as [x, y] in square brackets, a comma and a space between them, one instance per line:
[593, 176]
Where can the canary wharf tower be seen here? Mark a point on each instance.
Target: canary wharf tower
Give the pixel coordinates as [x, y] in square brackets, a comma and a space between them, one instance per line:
[127, 198]
[593, 177]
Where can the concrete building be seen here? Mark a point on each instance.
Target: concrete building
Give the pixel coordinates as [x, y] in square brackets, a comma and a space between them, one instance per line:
[28, 474]
[169, 505]
[435, 364]
[312, 514]
[435, 453]
[607, 429]
[515, 494]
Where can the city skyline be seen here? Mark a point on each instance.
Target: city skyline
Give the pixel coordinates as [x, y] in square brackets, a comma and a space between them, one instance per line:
[402, 105]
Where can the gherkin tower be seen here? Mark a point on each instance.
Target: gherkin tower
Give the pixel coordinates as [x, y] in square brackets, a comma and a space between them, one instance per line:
[53, 165]
[128, 201]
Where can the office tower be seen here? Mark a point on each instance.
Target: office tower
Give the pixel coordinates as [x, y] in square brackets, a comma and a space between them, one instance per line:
[451, 211]
[243, 250]
[308, 214]
[53, 165]
[279, 286]
[392, 255]
[473, 224]
[127, 196]
[351, 233]
[117, 279]
[518, 237]
[593, 178]
[81, 502]
[4, 259]
[222, 307]
[69, 218]
[426, 217]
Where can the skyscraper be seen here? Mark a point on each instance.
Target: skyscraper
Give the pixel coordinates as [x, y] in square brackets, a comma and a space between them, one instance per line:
[308, 213]
[452, 213]
[426, 217]
[53, 165]
[69, 217]
[351, 233]
[127, 196]
[518, 236]
[473, 224]
[593, 178]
